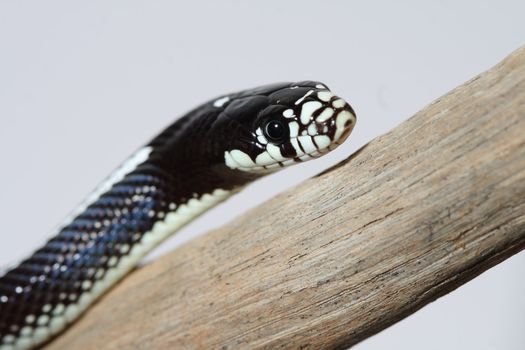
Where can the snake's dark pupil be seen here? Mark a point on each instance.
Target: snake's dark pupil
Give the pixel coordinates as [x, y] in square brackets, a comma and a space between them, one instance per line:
[275, 130]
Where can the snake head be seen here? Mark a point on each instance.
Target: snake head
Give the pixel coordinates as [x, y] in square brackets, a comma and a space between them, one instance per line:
[279, 125]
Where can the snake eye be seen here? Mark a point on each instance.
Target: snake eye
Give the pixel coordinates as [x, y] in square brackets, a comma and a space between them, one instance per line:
[275, 131]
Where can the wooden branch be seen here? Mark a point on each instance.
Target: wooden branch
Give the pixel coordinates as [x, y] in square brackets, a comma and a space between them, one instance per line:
[408, 218]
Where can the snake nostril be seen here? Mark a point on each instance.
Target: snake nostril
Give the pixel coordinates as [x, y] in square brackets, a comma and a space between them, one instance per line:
[350, 109]
[345, 134]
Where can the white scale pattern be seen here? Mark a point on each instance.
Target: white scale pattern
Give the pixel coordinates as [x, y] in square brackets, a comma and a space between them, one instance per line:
[117, 175]
[31, 336]
[307, 145]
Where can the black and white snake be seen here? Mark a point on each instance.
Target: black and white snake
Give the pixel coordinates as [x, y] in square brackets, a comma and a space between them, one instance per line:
[197, 162]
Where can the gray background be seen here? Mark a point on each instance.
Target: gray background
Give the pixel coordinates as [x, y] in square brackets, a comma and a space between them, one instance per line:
[83, 84]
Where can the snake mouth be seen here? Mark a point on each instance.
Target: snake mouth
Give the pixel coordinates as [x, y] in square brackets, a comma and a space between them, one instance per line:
[316, 139]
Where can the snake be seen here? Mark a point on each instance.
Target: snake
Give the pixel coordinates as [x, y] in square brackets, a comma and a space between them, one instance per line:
[198, 161]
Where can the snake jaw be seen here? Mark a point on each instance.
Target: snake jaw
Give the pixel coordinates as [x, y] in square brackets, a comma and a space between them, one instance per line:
[317, 122]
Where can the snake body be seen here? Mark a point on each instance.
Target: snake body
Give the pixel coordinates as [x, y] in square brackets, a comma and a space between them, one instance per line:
[198, 161]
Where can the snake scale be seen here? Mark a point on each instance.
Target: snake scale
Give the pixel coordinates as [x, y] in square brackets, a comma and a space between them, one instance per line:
[201, 159]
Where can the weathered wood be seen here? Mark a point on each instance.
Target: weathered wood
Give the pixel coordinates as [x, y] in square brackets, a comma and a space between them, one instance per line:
[409, 217]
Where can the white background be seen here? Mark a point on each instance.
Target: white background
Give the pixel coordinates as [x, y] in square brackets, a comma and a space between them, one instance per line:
[83, 84]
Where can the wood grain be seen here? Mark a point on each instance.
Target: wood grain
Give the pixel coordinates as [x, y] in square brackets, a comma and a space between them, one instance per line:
[408, 218]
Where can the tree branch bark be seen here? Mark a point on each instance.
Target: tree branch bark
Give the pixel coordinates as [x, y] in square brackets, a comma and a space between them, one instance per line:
[408, 218]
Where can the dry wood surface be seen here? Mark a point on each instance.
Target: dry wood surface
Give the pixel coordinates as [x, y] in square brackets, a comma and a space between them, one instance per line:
[409, 217]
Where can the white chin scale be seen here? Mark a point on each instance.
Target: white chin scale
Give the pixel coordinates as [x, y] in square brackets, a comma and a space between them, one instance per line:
[308, 134]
